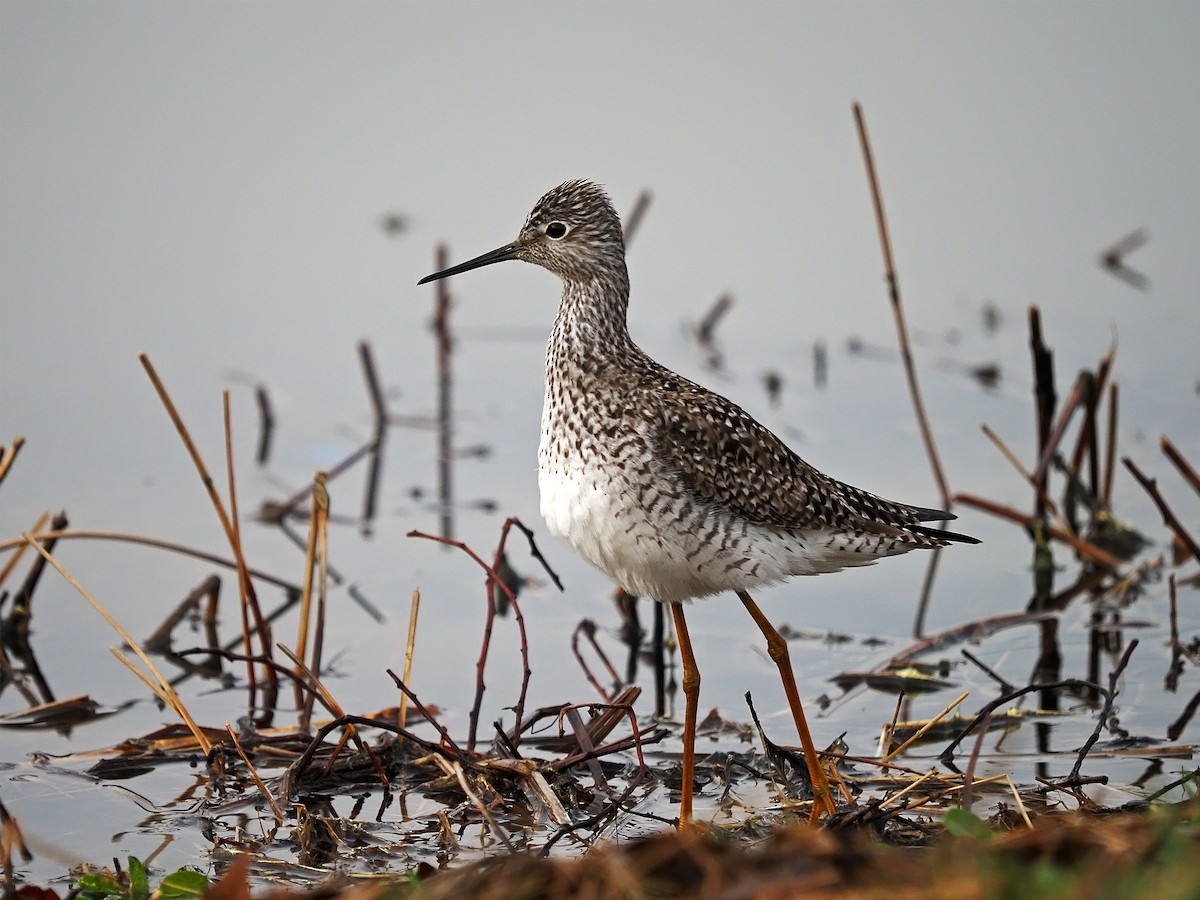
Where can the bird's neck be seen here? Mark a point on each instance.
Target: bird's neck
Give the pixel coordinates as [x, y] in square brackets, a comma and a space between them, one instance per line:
[591, 330]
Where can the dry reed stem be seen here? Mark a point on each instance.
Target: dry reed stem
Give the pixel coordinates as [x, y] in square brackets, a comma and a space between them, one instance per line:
[321, 499]
[1081, 546]
[172, 699]
[310, 554]
[898, 310]
[145, 541]
[1020, 803]
[1039, 487]
[1185, 469]
[244, 583]
[885, 739]
[402, 716]
[924, 728]
[236, 539]
[22, 546]
[335, 708]
[1074, 400]
[259, 783]
[8, 455]
[1110, 448]
[912, 785]
[455, 768]
[1150, 485]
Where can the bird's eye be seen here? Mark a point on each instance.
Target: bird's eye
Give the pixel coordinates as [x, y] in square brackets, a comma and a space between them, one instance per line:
[556, 231]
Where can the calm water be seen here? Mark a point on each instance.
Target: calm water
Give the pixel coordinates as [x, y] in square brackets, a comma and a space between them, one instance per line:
[859, 427]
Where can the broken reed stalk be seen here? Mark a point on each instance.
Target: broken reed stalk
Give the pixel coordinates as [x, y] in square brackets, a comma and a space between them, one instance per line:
[1039, 485]
[893, 286]
[244, 583]
[9, 454]
[1185, 469]
[21, 547]
[995, 704]
[445, 385]
[318, 515]
[1110, 448]
[279, 510]
[493, 578]
[258, 782]
[634, 219]
[447, 741]
[402, 714]
[145, 541]
[168, 693]
[1088, 442]
[892, 754]
[321, 498]
[1150, 485]
[1081, 546]
[1045, 395]
[335, 709]
[236, 538]
[455, 768]
[1074, 401]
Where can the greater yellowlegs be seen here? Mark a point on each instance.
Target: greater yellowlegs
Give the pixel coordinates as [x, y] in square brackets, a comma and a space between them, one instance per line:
[669, 489]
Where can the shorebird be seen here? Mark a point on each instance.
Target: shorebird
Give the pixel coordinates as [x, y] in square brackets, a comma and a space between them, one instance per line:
[669, 489]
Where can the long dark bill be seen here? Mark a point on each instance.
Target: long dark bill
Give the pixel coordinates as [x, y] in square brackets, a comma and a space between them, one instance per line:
[500, 254]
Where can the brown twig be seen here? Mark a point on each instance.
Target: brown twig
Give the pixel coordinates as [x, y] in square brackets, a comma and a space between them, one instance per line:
[519, 708]
[410, 643]
[447, 741]
[9, 454]
[1081, 546]
[1110, 448]
[1109, 696]
[587, 628]
[893, 286]
[1185, 468]
[1150, 485]
[948, 754]
[244, 582]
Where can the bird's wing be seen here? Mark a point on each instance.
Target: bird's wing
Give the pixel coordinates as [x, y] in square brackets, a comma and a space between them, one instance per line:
[718, 453]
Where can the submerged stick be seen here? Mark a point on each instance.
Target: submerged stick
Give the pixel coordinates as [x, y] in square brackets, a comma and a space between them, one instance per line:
[893, 285]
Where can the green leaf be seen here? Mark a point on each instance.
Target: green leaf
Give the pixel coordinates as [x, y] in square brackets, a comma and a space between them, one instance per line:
[97, 884]
[965, 824]
[139, 881]
[182, 884]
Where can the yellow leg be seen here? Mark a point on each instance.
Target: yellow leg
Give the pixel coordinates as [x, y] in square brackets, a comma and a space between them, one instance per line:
[777, 648]
[691, 695]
